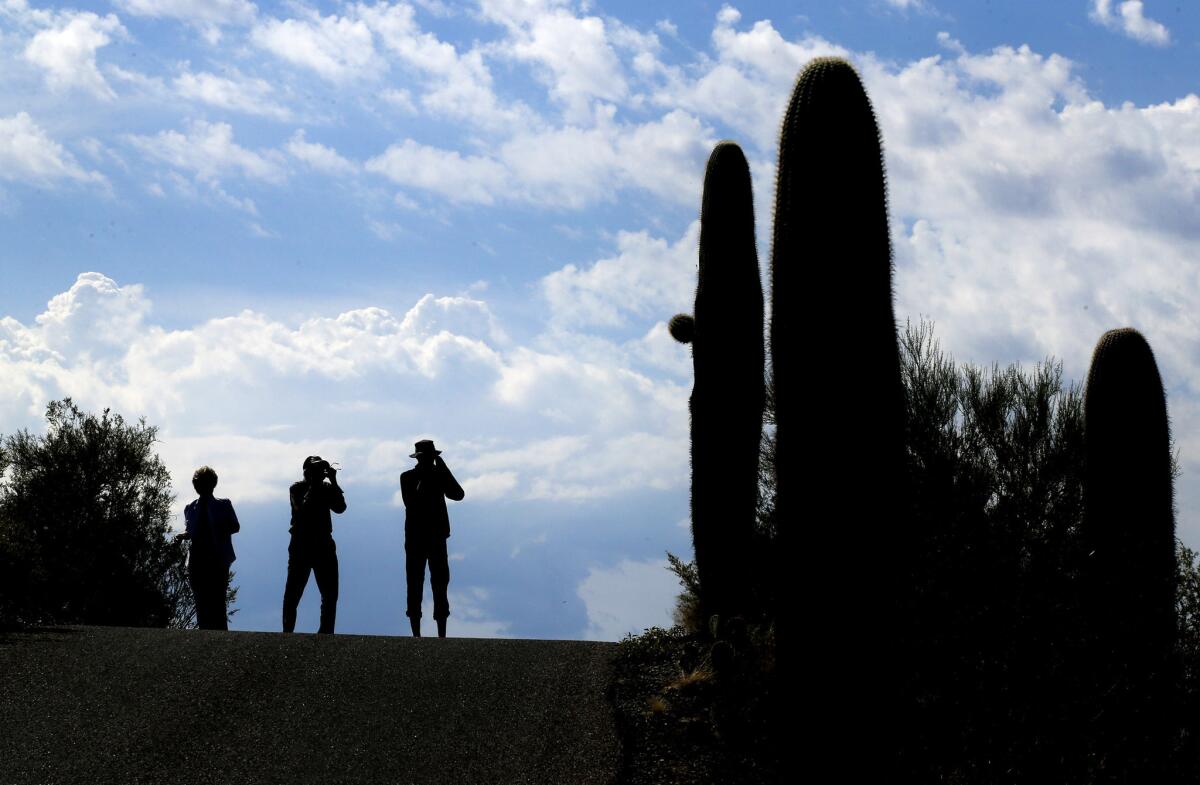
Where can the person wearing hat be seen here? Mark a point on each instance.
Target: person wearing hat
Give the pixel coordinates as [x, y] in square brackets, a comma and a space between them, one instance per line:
[425, 488]
[208, 524]
[312, 549]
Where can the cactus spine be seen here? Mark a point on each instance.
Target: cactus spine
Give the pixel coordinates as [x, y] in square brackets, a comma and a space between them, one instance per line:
[841, 501]
[726, 333]
[1129, 572]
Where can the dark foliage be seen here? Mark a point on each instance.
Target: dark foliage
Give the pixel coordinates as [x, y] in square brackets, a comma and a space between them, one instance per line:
[996, 463]
[997, 466]
[84, 524]
[685, 722]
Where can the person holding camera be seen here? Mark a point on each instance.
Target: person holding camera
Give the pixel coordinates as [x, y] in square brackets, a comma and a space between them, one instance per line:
[208, 524]
[312, 549]
[425, 489]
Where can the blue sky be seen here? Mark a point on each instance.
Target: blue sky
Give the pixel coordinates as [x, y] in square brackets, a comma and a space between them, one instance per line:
[279, 229]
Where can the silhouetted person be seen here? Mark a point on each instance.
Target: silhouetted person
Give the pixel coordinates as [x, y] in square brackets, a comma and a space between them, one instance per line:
[312, 548]
[208, 524]
[425, 489]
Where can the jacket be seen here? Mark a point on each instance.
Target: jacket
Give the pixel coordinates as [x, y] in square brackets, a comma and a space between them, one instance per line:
[310, 509]
[425, 494]
[222, 522]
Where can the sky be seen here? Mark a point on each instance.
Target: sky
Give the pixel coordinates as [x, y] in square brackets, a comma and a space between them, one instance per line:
[283, 229]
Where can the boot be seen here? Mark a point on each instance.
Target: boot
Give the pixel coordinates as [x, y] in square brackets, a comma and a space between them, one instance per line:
[416, 627]
[441, 628]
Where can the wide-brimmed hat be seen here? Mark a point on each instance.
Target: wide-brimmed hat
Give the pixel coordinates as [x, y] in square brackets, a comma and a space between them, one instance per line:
[424, 447]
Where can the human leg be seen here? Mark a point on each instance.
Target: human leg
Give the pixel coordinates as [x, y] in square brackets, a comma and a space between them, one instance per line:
[325, 567]
[198, 580]
[439, 580]
[219, 580]
[414, 569]
[299, 566]
[208, 594]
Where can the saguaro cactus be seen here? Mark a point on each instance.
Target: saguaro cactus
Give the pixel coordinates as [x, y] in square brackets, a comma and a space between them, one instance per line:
[1129, 572]
[726, 334]
[841, 500]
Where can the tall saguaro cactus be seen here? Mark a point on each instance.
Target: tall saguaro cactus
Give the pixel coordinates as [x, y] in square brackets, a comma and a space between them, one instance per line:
[726, 333]
[841, 499]
[1129, 573]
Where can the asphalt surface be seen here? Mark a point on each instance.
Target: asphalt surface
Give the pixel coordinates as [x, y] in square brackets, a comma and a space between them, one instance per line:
[106, 704]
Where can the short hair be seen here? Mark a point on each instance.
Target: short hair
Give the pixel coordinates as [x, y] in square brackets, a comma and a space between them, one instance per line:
[204, 479]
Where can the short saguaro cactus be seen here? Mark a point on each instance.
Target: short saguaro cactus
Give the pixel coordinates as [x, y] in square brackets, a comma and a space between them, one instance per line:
[726, 334]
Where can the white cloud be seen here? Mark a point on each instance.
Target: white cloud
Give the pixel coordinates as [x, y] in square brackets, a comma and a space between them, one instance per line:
[1130, 19]
[457, 85]
[337, 48]
[318, 156]
[249, 95]
[208, 151]
[485, 487]
[67, 51]
[576, 166]
[201, 11]
[747, 85]
[648, 278]
[468, 616]
[1087, 207]
[361, 386]
[627, 598]
[568, 167]
[574, 54]
[28, 155]
[456, 177]
[93, 313]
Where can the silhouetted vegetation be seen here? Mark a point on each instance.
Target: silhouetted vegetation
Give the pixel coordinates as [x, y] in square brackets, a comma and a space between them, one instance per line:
[839, 445]
[1003, 659]
[84, 523]
[726, 334]
[1128, 573]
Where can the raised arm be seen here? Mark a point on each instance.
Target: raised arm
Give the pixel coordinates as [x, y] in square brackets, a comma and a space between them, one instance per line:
[450, 486]
[337, 499]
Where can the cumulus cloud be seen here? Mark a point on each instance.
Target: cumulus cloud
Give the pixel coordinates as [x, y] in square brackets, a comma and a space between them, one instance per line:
[336, 48]
[568, 167]
[628, 598]
[1130, 18]
[574, 55]
[29, 155]
[208, 152]
[66, 51]
[248, 95]
[458, 178]
[244, 390]
[457, 84]
[575, 166]
[747, 83]
[647, 278]
[1092, 207]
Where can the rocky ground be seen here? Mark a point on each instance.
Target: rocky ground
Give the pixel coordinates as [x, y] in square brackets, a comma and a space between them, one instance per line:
[681, 724]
